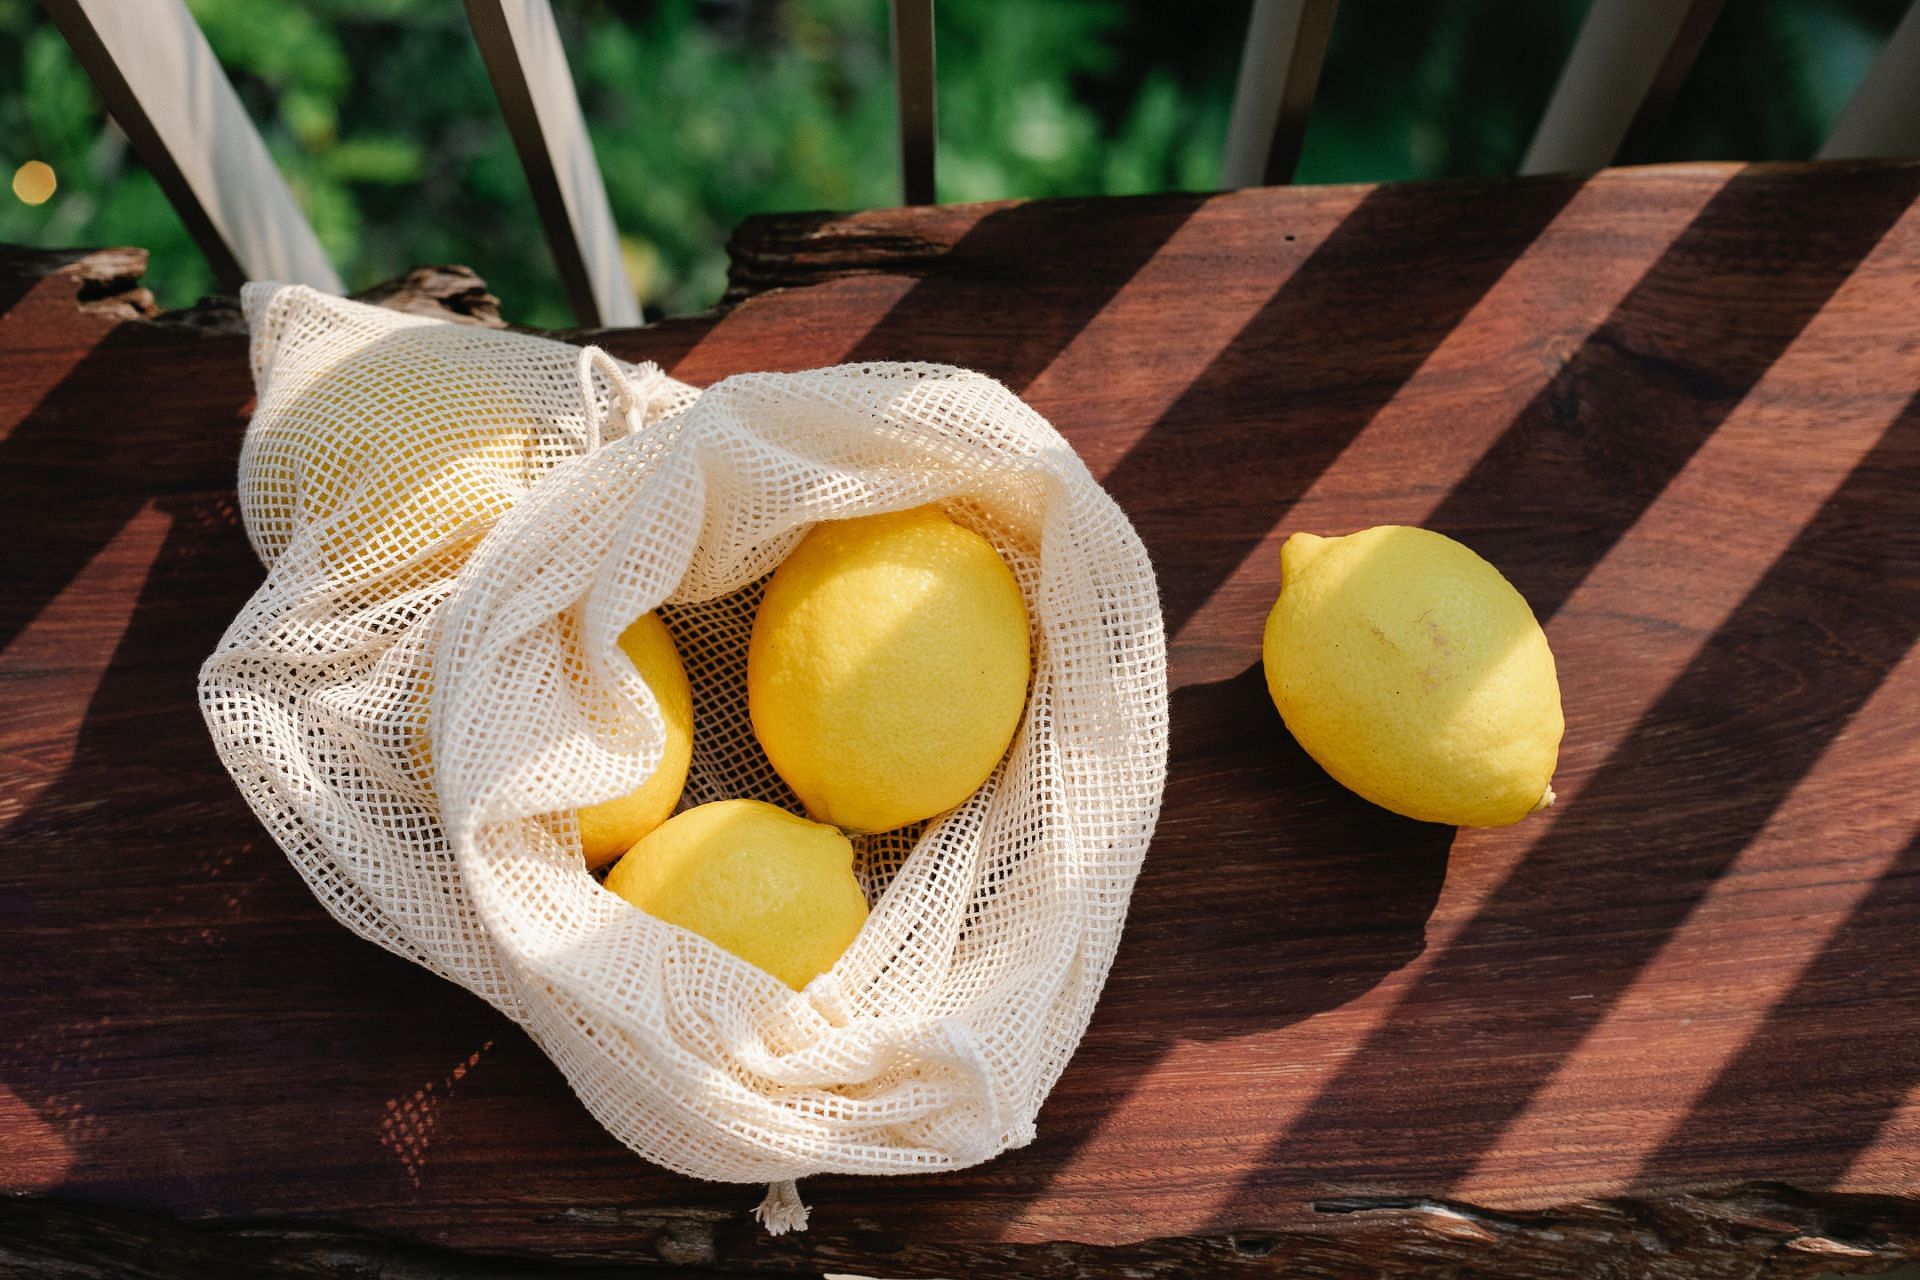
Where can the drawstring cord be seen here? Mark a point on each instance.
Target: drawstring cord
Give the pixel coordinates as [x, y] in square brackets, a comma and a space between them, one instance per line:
[624, 397]
[782, 1210]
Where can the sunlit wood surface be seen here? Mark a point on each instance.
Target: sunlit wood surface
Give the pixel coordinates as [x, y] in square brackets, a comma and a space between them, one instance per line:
[1674, 1022]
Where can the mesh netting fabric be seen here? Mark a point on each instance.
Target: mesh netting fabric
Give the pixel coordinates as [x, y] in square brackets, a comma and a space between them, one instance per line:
[458, 522]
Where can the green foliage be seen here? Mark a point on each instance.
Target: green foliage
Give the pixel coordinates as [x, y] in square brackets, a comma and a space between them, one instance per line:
[1793, 65]
[380, 115]
[695, 130]
[1435, 88]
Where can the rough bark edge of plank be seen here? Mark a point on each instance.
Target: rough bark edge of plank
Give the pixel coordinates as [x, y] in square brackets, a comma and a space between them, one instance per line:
[767, 253]
[774, 251]
[1755, 1229]
[106, 284]
[450, 292]
[81, 1241]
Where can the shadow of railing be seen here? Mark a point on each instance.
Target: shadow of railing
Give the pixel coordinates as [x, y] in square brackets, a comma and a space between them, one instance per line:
[1035, 257]
[1668, 364]
[1244, 805]
[1850, 1072]
[1650, 832]
[1424, 255]
[145, 911]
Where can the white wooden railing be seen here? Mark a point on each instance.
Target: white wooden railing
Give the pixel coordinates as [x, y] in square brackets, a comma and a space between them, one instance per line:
[161, 82]
[520, 44]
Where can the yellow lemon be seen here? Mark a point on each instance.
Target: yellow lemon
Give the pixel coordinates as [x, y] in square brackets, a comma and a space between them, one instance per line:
[773, 888]
[396, 450]
[608, 830]
[888, 667]
[1416, 675]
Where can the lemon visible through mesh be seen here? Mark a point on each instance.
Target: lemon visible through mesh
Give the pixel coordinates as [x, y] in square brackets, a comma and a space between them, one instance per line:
[609, 829]
[773, 888]
[387, 457]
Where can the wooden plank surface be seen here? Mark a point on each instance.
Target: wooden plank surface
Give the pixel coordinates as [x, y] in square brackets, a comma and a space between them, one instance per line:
[1672, 1023]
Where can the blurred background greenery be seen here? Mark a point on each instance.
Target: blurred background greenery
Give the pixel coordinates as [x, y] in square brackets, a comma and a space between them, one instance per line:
[705, 111]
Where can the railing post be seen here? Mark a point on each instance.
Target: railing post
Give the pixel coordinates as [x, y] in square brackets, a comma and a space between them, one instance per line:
[520, 43]
[160, 80]
[1882, 119]
[913, 87]
[1279, 74]
[1627, 65]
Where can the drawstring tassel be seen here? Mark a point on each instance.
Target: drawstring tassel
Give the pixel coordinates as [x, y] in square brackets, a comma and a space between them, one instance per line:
[622, 396]
[782, 1210]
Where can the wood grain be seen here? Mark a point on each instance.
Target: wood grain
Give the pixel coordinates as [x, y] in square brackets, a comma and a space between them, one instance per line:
[1669, 1023]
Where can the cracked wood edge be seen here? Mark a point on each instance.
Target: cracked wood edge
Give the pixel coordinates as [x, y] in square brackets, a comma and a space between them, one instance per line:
[776, 251]
[773, 251]
[1756, 1229]
[105, 284]
[80, 1241]
[449, 292]
[766, 253]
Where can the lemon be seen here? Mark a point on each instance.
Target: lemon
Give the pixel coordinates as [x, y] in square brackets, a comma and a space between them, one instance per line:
[1415, 674]
[395, 451]
[773, 888]
[609, 829]
[888, 667]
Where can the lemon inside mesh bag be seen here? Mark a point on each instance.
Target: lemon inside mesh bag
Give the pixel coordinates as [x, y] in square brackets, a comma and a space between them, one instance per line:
[398, 449]
[449, 550]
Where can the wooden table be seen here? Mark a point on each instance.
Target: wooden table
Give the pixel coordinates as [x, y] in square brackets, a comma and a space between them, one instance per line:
[1671, 1028]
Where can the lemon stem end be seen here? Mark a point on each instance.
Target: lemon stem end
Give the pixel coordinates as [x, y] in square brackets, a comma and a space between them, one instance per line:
[1297, 552]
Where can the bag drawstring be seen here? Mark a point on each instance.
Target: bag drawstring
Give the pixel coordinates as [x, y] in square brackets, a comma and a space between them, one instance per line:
[623, 397]
[783, 1210]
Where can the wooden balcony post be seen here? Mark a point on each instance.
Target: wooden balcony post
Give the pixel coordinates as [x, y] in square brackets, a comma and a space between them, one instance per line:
[1882, 119]
[520, 43]
[159, 78]
[1626, 68]
[913, 85]
[1279, 75]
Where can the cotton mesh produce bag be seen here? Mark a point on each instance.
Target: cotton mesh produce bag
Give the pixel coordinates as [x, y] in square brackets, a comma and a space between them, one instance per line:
[458, 522]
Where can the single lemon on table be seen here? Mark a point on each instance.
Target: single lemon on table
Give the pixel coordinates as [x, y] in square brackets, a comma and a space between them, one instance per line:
[609, 829]
[771, 887]
[1416, 675]
[888, 667]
